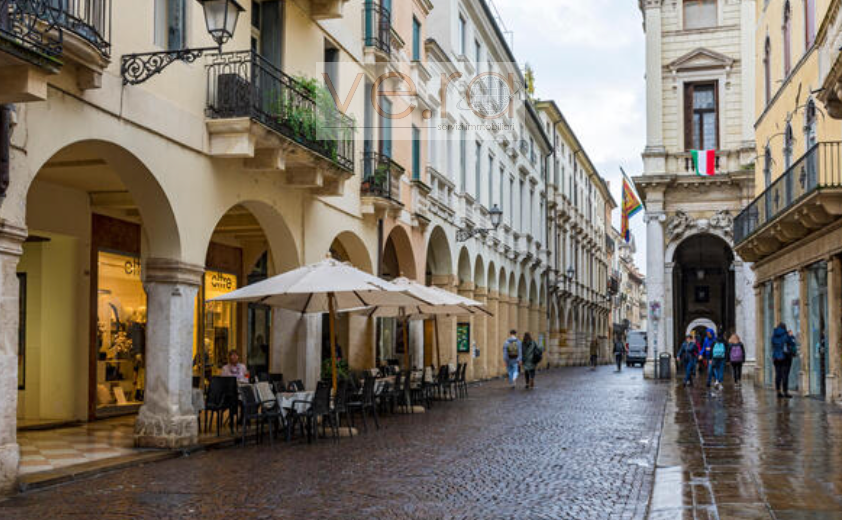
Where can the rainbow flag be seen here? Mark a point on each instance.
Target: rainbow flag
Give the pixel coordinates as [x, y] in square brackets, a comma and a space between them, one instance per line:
[631, 206]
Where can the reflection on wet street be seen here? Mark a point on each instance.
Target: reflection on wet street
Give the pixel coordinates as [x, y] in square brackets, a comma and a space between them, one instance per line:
[743, 453]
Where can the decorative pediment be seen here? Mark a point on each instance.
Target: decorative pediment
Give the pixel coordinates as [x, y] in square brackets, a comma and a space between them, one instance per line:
[701, 59]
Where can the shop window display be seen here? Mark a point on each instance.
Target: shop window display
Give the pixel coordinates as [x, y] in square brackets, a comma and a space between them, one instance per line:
[219, 325]
[121, 332]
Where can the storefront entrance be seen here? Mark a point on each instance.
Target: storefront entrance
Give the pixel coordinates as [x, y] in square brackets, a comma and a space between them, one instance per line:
[817, 334]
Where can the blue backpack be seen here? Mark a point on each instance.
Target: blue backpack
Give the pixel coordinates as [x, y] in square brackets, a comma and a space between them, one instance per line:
[719, 350]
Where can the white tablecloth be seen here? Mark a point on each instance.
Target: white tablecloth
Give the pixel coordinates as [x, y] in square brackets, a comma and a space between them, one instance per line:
[286, 400]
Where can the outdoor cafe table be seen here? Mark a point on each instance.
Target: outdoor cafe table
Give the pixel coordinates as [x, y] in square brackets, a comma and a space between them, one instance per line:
[286, 400]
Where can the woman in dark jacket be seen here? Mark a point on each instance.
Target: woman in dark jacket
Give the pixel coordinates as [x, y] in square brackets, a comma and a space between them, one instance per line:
[530, 359]
[783, 350]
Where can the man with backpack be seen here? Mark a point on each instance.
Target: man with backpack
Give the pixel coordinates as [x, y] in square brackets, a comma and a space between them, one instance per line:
[718, 361]
[688, 353]
[513, 356]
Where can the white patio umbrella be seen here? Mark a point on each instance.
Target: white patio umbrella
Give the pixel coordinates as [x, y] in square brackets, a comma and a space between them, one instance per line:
[327, 286]
[433, 302]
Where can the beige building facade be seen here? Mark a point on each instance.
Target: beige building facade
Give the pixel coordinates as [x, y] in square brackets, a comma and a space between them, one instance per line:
[136, 196]
[700, 96]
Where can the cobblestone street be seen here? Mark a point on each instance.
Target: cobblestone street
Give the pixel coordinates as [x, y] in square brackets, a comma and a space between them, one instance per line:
[581, 445]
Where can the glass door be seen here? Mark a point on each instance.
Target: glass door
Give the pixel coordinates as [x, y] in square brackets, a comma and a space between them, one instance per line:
[768, 327]
[791, 316]
[817, 296]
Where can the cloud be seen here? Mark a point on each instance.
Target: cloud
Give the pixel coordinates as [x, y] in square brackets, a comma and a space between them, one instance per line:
[589, 56]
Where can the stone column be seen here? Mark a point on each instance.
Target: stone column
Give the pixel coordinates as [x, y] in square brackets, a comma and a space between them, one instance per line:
[760, 351]
[167, 418]
[416, 341]
[446, 326]
[655, 282]
[491, 350]
[668, 312]
[11, 248]
[746, 315]
[523, 317]
[297, 345]
[804, 347]
[481, 336]
[834, 329]
[654, 87]
[466, 289]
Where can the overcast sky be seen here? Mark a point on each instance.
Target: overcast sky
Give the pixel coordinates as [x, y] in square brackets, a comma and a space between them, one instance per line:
[589, 56]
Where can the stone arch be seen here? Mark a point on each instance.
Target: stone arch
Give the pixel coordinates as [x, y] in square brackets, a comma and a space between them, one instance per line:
[493, 281]
[465, 271]
[533, 293]
[513, 288]
[162, 235]
[503, 282]
[699, 322]
[398, 258]
[522, 289]
[439, 255]
[349, 247]
[479, 273]
[280, 242]
[724, 235]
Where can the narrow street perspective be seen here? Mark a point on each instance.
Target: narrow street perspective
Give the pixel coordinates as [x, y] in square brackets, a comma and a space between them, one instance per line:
[582, 444]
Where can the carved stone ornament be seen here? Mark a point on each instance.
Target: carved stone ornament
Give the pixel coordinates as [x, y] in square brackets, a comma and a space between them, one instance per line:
[678, 224]
[723, 221]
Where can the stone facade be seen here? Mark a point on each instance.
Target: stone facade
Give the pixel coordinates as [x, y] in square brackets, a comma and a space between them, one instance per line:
[682, 209]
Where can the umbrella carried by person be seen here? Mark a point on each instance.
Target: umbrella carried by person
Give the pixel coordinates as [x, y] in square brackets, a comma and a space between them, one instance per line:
[328, 286]
[433, 302]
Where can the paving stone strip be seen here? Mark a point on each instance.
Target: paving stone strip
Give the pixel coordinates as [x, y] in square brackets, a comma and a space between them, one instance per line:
[582, 445]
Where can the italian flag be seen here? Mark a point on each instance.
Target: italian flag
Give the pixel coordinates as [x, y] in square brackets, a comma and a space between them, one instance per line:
[705, 162]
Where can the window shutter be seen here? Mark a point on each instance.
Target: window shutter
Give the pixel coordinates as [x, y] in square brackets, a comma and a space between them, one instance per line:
[688, 116]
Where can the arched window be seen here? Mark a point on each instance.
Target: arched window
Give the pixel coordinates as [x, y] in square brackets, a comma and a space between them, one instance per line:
[809, 24]
[787, 30]
[809, 125]
[767, 167]
[767, 70]
[788, 144]
[699, 14]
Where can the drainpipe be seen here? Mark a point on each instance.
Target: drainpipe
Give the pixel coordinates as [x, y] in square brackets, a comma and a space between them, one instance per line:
[546, 217]
[5, 140]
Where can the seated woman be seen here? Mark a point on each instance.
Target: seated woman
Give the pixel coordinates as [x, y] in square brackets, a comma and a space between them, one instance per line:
[235, 369]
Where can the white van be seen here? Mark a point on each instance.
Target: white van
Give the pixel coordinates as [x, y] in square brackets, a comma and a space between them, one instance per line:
[636, 348]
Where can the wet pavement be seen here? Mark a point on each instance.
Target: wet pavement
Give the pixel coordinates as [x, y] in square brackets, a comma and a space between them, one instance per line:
[742, 453]
[582, 445]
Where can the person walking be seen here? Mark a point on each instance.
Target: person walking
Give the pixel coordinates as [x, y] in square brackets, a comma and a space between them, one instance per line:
[594, 354]
[687, 353]
[619, 352]
[707, 353]
[513, 356]
[783, 350]
[718, 354]
[736, 356]
[531, 357]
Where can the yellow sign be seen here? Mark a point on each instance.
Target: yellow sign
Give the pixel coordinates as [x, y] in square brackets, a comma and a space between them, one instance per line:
[217, 284]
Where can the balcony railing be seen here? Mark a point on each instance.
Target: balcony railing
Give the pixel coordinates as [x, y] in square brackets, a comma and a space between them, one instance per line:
[378, 27]
[381, 177]
[244, 84]
[88, 19]
[820, 167]
[39, 24]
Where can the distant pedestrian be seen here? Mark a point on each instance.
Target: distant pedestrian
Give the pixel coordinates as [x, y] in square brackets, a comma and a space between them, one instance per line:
[531, 357]
[513, 356]
[736, 356]
[783, 350]
[594, 354]
[687, 353]
[619, 352]
[707, 352]
[718, 354]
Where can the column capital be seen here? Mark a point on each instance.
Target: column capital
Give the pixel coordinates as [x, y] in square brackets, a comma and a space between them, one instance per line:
[12, 237]
[480, 292]
[163, 270]
[654, 215]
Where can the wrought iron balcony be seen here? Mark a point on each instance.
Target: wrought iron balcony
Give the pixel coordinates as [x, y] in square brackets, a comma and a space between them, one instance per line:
[381, 177]
[806, 197]
[245, 85]
[378, 27]
[39, 25]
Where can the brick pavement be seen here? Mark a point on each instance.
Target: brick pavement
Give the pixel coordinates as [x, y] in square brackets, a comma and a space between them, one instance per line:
[580, 446]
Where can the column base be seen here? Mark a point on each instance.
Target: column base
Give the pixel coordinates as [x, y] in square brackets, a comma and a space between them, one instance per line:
[165, 431]
[9, 462]
[649, 369]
